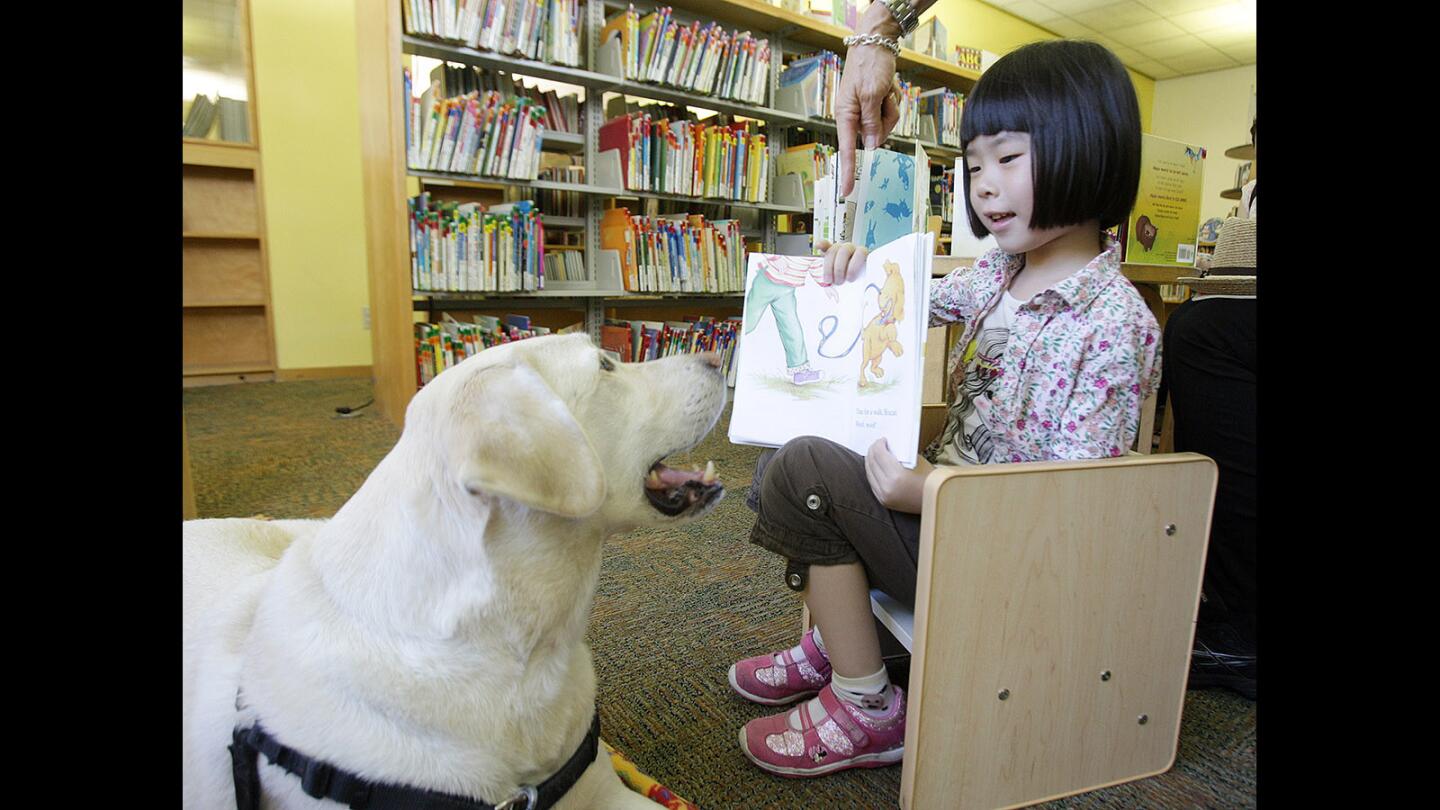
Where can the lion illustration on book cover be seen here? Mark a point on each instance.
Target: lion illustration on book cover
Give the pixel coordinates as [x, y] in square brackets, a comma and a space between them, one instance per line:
[880, 334]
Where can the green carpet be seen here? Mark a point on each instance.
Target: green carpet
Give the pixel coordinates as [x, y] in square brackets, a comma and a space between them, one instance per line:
[674, 609]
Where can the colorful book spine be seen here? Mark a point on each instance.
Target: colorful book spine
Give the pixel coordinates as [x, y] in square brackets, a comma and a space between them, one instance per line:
[677, 252]
[547, 30]
[485, 133]
[469, 248]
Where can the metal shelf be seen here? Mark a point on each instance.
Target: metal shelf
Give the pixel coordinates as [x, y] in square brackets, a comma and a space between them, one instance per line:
[674, 95]
[640, 298]
[490, 60]
[563, 141]
[656, 195]
[433, 298]
[478, 181]
[429, 300]
[931, 148]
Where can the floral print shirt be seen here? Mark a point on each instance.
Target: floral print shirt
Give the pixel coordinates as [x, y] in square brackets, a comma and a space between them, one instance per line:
[1082, 357]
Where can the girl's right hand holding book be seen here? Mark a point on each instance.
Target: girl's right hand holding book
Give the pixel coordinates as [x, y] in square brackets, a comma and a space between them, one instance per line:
[844, 261]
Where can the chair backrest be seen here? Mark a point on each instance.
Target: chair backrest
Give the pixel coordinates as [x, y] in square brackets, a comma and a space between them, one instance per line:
[1054, 614]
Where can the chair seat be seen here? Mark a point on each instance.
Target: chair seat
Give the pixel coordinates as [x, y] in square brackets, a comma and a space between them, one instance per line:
[897, 618]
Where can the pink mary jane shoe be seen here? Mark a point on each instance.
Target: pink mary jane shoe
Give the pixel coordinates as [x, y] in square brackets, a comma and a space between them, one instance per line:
[845, 738]
[760, 680]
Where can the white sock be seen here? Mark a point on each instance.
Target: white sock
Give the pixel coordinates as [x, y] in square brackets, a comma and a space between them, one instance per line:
[870, 693]
[873, 689]
[797, 653]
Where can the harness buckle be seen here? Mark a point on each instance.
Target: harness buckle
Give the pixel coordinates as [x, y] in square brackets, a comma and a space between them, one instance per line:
[525, 793]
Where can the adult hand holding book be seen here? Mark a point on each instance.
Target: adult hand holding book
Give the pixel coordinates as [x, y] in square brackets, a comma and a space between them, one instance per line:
[867, 102]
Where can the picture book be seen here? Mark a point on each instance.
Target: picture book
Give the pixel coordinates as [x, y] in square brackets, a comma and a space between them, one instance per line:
[842, 362]
[1162, 225]
[889, 200]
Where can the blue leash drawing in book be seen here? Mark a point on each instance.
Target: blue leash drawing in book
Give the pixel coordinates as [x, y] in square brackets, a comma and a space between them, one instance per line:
[880, 334]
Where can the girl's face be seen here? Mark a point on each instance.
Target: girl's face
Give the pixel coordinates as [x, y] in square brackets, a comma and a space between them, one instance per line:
[1002, 191]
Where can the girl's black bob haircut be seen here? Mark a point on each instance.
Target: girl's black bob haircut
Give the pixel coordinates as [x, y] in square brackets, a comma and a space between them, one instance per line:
[1078, 104]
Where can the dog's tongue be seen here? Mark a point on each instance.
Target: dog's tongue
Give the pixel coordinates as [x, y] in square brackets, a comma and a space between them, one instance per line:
[673, 492]
[662, 477]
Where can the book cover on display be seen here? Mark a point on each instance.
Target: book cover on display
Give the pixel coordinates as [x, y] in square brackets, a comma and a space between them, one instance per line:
[1162, 226]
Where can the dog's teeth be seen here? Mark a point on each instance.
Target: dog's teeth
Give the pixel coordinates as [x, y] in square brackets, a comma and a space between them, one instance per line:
[654, 480]
[709, 476]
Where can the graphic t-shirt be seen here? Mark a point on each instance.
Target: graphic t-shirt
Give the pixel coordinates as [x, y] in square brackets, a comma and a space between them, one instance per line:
[966, 440]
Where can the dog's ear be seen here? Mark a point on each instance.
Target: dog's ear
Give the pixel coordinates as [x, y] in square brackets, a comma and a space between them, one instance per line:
[523, 443]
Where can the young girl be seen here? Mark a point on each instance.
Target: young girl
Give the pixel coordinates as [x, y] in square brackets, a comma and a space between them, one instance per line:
[1060, 352]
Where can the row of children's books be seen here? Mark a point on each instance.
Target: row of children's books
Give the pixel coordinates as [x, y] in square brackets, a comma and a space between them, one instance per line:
[676, 252]
[477, 133]
[817, 78]
[439, 346]
[639, 341]
[565, 265]
[562, 203]
[468, 247]
[1174, 293]
[698, 58]
[908, 104]
[809, 160]
[562, 113]
[943, 106]
[729, 161]
[544, 30]
[202, 114]
[942, 192]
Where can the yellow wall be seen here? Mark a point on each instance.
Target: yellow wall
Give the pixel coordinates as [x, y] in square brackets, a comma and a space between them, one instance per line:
[1210, 110]
[976, 25]
[307, 102]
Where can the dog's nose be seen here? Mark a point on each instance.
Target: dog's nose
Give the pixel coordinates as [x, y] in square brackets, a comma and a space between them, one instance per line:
[711, 358]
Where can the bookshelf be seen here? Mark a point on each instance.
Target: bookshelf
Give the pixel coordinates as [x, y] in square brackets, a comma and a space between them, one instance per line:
[226, 314]
[388, 182]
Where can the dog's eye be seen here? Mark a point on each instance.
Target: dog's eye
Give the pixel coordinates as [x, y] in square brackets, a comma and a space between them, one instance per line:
[606, 364]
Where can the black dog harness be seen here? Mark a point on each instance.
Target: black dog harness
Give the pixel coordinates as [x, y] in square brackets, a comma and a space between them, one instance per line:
[322, 781]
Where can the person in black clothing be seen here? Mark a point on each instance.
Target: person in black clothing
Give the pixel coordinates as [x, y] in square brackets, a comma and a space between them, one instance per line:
[1210, 374]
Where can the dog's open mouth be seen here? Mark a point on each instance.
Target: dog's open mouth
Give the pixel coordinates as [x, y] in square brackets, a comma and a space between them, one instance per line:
[675, 492]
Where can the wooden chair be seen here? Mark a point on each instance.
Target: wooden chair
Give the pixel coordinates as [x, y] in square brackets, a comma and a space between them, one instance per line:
[1054, 616]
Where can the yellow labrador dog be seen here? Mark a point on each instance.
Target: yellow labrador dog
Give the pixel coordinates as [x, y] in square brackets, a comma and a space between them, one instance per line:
[429, 638]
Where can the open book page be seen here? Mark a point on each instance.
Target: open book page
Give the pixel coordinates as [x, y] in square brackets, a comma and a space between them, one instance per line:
[844, 362]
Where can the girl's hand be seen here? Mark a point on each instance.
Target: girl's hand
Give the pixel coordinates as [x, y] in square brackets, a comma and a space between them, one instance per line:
[844, 261]
[896, 487]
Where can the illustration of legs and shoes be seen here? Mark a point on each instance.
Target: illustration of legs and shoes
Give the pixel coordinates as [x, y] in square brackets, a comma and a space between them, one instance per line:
[780, 299]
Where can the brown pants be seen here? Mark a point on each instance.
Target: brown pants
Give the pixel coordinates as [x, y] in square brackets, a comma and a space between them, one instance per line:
[815, 507]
